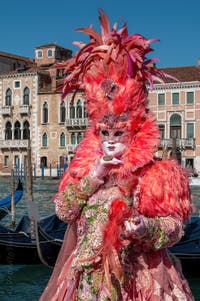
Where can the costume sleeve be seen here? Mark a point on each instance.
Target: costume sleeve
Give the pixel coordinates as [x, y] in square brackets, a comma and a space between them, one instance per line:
[165, 202]
[162, 232]
[164, 191]
[70, 201]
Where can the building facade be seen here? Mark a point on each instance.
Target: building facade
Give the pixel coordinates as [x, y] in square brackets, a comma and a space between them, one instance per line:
[177, 109]
[10, 62]
[31, 110]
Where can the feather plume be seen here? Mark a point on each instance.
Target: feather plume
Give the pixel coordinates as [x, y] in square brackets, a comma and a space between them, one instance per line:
[92, 33]
[108, 47]
[105, 24]
[167, 195]
[112, 241]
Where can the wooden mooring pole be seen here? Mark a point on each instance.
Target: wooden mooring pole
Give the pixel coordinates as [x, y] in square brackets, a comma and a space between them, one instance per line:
[12, 199]
[29, 174]
[31, 205]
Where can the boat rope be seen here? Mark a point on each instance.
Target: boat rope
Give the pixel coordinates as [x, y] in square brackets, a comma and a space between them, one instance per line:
[38, 245]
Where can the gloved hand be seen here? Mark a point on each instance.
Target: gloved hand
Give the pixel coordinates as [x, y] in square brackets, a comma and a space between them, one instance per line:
[135, 226]
[104, 165]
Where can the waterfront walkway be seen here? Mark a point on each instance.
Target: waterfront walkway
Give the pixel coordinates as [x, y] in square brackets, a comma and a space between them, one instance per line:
[194, 181]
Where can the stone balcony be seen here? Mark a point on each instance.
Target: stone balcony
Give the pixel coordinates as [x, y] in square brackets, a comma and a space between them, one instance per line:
[182, 143]
[6, 111]
[13, 144]
[71, 147]
[24, 109]
[76, 122]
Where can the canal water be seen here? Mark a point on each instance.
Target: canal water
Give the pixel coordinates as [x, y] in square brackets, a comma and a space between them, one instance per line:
[27, 282]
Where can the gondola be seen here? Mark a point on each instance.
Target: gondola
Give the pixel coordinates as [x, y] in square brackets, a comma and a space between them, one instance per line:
[33, 240]
[188, 248]
[5, 203]
[41, 243]
[32, 243]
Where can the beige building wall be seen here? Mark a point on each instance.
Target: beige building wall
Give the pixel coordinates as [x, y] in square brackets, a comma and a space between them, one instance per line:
[188, 113]
[53, 128]
[17, 112]
[40, 78]
[54, 152]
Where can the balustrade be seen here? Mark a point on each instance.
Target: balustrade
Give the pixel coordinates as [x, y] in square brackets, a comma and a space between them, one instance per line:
[6, 110]
[15, 144]
[74, 122]
[181, 143]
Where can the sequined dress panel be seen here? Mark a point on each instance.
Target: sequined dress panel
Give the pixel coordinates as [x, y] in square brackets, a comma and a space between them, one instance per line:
[148, 272]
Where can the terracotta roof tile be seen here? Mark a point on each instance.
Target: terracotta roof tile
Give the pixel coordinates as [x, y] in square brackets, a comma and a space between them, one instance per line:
[183, 74]
[27, 70]
[14, 56]
[51, 45]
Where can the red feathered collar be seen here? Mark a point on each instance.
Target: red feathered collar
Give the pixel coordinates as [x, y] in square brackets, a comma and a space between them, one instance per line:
[140, 152]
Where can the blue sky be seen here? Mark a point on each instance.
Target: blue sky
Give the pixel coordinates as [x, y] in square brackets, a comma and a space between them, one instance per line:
[28, 24]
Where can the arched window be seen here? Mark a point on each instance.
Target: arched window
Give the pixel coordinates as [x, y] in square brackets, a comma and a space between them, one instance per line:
[62, 139]
[162, 131]
[79, 109]
[17, 161]
[39, 54]
[72, 110]
[62, 112]
[26, 130]
[26, 96]
[17, 130]
[8, 131]
[49, 53]
[61, 161]
[175, 126]
[175, 120]
[85, 111]
[8, 100]
[44, 140]
[73, 138]
[45, 112]
[43, 161]
[79, 137]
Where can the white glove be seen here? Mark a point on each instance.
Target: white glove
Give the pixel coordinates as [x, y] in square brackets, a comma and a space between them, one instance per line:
[135, 226]
[104, 165]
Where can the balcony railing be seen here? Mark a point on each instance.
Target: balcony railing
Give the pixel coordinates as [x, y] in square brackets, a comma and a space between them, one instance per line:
[182, 143]
[71, 147]
[24, 109]
[76, 122]
[14, 144]
[6, 110]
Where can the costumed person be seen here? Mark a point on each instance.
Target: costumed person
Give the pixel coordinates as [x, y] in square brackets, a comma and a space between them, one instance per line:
[124, 207]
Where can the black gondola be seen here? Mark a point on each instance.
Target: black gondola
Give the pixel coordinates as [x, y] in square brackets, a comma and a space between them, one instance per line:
[22, 247]
[27, 245]
[188, 248]
[5, 203]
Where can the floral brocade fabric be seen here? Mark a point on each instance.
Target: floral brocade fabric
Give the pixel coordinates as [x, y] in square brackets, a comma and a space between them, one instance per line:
[149, 272]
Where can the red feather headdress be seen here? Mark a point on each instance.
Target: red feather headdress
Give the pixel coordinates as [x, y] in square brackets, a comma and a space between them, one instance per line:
[113, 71]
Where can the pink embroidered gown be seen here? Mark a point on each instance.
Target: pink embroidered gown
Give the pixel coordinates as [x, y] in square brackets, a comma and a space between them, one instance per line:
[149, 272]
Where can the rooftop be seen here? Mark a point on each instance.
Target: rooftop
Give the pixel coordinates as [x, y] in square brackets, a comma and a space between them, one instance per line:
[14, 56]
[183, 74]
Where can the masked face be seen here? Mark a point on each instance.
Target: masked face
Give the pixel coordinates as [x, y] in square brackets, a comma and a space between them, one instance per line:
[114, 142]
